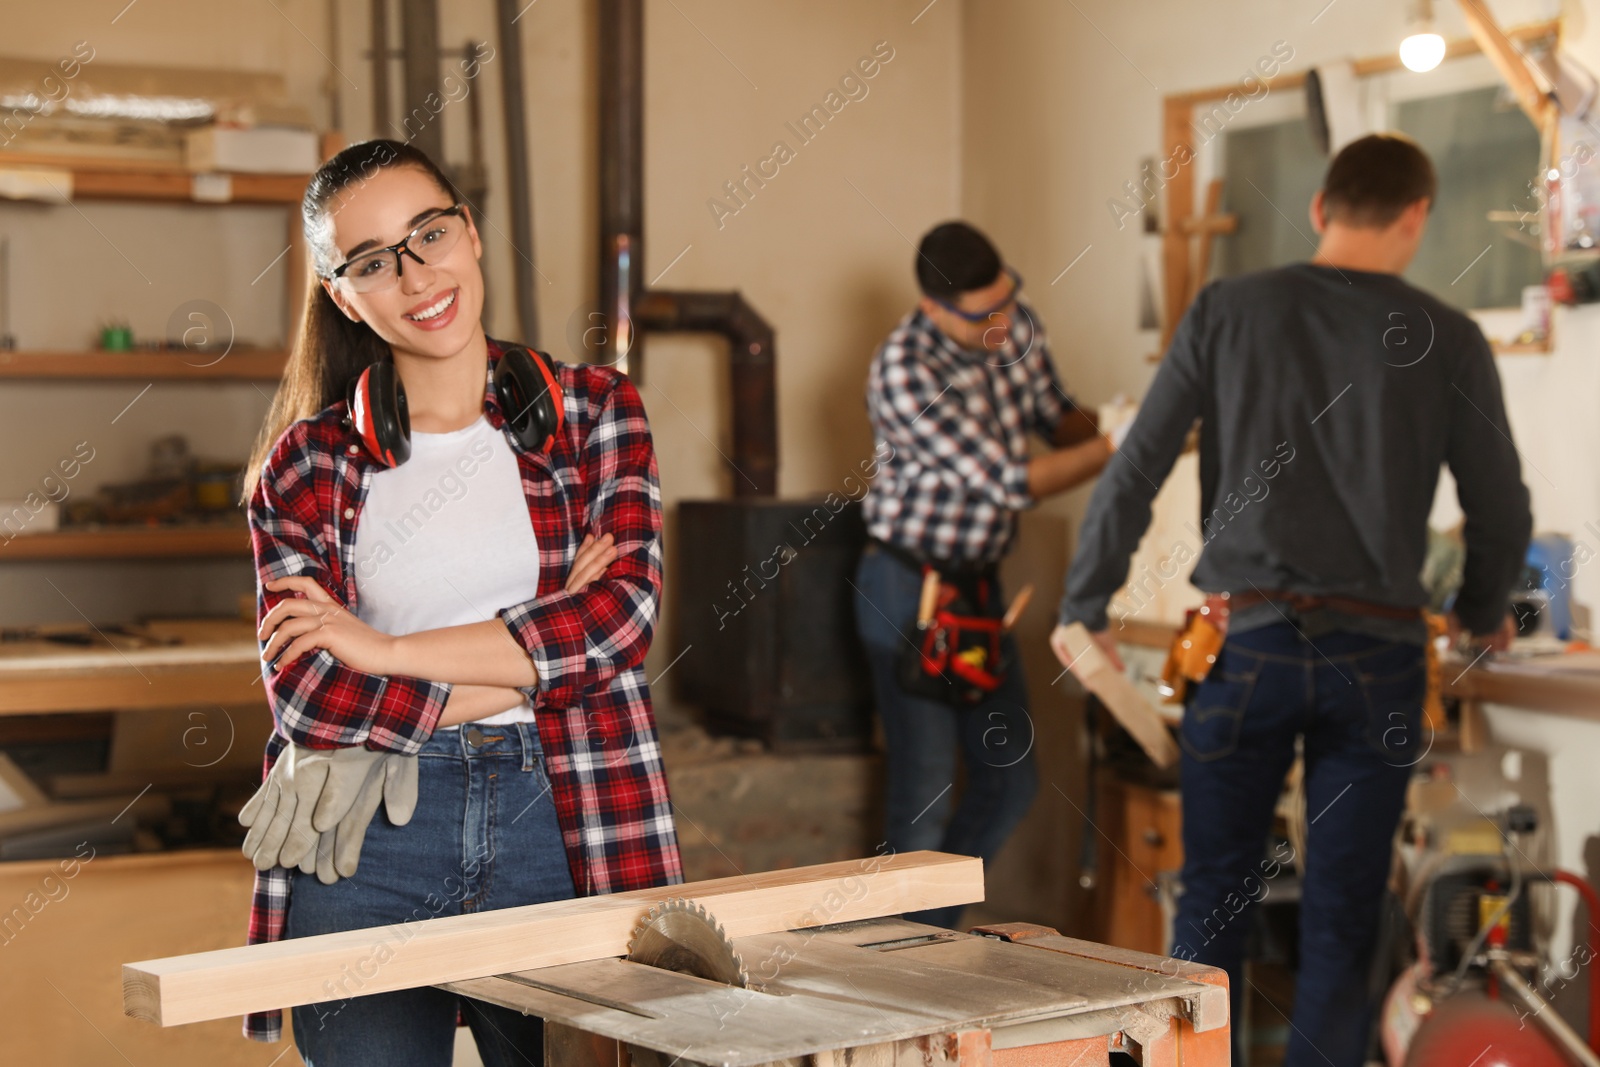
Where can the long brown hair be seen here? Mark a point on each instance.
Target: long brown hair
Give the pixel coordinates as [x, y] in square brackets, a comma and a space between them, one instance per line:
[329, 349]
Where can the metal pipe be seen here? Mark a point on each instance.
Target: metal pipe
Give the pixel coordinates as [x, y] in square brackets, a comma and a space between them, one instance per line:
[380, 68]
[750, 353]
[419, 34]
[331, 75]
[630, 308]
[513, 106]
[621, 171]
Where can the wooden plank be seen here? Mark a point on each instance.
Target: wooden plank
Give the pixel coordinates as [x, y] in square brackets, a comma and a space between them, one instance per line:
[1507, 60]
[215, 664]
[242, 365]
[193, 541]
[1093, 668]
[178, 186]
[1208, 226]
[296, 971]
[1178, 148]
[132, 689]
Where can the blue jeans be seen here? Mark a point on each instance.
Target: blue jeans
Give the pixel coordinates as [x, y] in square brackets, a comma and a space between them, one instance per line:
[922, 736]
[484, 836]
[1356, 701]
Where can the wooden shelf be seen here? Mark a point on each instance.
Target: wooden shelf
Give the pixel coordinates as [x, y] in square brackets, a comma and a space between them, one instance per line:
[101, 179]
[130, 542]
[1516, 348]
[216, 663]
[174, 365]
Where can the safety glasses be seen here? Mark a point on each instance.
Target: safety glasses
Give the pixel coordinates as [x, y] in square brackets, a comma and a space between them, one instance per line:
[981, 316]
[381, 269]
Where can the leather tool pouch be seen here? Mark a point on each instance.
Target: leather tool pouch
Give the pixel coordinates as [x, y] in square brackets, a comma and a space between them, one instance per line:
[1194, 649]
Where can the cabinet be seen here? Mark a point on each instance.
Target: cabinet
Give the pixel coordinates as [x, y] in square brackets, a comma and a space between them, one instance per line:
[1141, 844]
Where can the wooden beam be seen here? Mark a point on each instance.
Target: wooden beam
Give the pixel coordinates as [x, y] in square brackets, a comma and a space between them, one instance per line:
[1178, 144]
[1383, 64]
[1207, 227]
[1507, 60]
[306, 970]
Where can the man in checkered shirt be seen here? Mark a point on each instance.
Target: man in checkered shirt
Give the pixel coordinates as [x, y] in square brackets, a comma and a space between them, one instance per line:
[954, 393]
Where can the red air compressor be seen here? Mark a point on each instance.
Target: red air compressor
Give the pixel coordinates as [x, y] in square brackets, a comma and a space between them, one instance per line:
[1470, 999]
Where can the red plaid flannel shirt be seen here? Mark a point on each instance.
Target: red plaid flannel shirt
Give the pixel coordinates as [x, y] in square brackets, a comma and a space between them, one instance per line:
[591, 702]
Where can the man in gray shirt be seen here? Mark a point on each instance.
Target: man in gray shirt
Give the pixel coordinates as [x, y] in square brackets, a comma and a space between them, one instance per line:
[1329, 395]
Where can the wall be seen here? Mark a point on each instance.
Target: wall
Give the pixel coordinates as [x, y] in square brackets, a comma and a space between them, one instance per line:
[822, 250]
[1062, 103]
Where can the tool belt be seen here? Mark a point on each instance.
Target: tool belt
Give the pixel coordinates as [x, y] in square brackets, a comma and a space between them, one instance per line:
[955, 651]
[1312, 602]
[1195, 647]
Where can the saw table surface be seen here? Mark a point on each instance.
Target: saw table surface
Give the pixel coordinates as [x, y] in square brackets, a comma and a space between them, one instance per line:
[860, 984]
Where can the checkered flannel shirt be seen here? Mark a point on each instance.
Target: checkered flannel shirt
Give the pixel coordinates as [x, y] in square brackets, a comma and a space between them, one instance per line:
[591, 702]
[951, 428]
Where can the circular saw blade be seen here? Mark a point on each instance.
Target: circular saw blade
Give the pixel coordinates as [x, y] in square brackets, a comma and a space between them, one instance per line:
[680, 935]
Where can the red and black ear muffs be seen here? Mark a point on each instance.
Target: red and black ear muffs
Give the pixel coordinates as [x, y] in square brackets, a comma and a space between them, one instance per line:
[378, 414]
[530, 397]
[524, 382]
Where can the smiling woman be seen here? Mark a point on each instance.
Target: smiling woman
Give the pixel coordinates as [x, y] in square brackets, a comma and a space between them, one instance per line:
[524, 607]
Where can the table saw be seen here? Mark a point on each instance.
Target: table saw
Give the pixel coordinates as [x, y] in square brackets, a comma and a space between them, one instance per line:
[874, 991]
[804, 966]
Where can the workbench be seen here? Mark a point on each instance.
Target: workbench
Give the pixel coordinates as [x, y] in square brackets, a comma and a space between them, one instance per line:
[192, 709]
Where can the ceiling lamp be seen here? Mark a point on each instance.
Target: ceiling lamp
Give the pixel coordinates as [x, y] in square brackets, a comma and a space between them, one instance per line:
[1423, 48]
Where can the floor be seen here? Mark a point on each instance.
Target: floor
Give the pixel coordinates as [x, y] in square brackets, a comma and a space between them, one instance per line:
[466, 1049]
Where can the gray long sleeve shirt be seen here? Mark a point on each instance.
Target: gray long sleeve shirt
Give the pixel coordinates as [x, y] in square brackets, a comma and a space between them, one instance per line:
[1328, 400]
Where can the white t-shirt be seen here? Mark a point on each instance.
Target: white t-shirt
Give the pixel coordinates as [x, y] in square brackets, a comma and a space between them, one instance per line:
[445, 539]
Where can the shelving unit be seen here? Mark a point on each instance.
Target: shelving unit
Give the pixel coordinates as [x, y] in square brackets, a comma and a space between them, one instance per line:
[148, 692]
[144, 182]
[156, 697]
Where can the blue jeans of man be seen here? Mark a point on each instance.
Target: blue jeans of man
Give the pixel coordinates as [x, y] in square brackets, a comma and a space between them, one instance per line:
[1355, 701]
[922, 736]
[484, 836]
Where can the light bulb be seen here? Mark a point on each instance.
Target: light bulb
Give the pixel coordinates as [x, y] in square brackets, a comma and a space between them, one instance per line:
[1422, 52]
